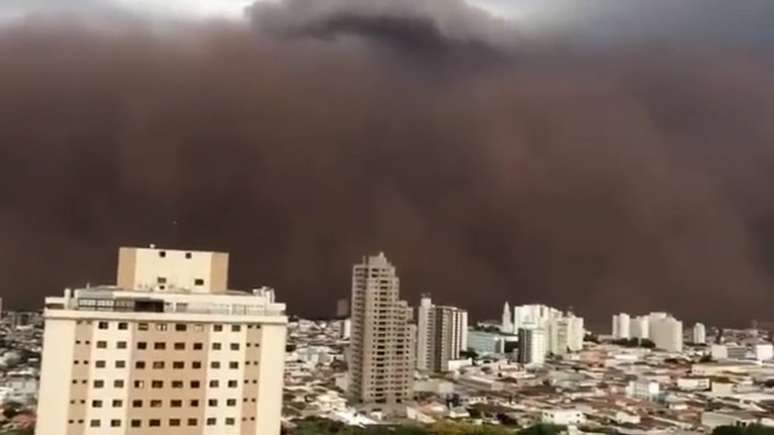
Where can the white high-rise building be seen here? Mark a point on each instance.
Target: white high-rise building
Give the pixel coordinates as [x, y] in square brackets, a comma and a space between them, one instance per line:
[639, 327]
[699, 334]
[506, 326]
[532, 346]
[170, 350]
[621, 326]
[382, 346]
[565, 334]
[442, 333]
[763, 351]
[528, 316]
[666, 332]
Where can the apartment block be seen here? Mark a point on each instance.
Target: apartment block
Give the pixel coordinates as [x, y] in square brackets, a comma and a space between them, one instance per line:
[169, 350]
[382, 343]
[442, 335]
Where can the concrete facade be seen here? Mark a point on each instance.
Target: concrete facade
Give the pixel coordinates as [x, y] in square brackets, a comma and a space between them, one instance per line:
[176, 361]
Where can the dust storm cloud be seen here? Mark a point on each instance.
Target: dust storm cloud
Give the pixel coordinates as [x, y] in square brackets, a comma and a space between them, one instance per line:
[583, 163]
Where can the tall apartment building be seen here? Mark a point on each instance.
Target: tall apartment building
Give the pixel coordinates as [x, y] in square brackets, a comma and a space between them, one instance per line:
[621, 326]
[565, 334]
[442, 335]
[640, 327]
[699, 334]
[532, 346]
[168, 351]
[382, 345]
[666, 332]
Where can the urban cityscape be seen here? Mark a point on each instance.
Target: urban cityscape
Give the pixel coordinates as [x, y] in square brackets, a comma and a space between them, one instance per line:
[170, 348]
[386, 217]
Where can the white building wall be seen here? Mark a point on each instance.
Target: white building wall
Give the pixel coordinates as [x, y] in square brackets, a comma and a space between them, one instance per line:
[56, 375]
[270, 380]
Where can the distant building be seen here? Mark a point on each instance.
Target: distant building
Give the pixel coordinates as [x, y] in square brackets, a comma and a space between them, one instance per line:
[382, 346]
[621, 326]
[639, 327]
[666, 332]
[643, 389]
[483, 342]
[699, 334]
[532, 346]
[565, 334]
[562, 417]
[342, 308]
[763, 351]
[507, 320]
[134, 357]
[346, 328]
[441, 335]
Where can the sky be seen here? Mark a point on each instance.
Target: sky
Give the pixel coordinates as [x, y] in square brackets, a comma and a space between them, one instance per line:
[597, 155]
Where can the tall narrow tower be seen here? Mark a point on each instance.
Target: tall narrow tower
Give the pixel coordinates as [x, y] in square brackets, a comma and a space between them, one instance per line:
[382, 346]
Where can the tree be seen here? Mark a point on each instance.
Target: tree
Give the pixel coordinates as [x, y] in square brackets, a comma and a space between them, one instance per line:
[542, 429]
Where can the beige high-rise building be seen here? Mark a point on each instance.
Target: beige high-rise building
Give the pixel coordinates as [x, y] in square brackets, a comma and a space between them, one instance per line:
[381, 365]
[442, 333]
[168, 351]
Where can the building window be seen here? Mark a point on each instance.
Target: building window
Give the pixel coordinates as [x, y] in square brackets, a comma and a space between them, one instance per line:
[99, 383]
[196, 365]
[217, 328]
[215, 365]
[94, 423]
[154, 422]
[123, 326]
[118, 383]
[102, 325]
[155, 403]
[214, 383]
[161, 327]
[99, 364]
[236, 328]
[192, 422]
[136, 403]
[121, 345]
[180, 327]
[212, 402]
[157, 384]
[174, 422]
[177, 384]
[141, 345]
[188, 255]
[211, 421]
[232, 383]
[120, 364]
[178, 365]
[233, 365]
[194, 403]
[115, 423]
[229, 421]
[216, 346]
[136, 423]
[162, 254]
[159, 345]
[139, 365]
[139, 384]
[179, 346]
[195, 384]
[199, 282]
[96, 404]
[198, 346]
[231, 402]
[142, 326]
[234, 346]
[198, 328]
[161, 280]
[176, 403]
[158, 365]
[102, 344]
